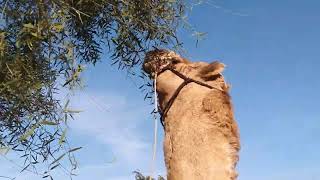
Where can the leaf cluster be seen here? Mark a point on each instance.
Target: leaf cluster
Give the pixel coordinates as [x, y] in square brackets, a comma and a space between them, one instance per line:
[44, 46]
[140, 176]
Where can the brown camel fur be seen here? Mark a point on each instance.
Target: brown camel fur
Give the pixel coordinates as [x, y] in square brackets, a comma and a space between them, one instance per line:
[201, 136]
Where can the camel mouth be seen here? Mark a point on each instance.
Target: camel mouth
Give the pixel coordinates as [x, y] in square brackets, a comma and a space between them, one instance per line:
[155, 61]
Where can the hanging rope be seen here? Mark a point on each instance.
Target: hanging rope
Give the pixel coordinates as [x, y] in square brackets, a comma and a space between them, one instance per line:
[153, 166]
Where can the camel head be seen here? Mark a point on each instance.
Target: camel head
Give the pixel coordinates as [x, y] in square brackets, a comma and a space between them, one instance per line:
[167, 82]
[201, 135]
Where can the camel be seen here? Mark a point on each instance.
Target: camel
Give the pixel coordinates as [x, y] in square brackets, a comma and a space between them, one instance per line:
[201, 135]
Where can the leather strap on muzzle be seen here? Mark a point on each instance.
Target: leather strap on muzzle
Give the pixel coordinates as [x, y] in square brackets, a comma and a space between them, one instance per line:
[187, 80]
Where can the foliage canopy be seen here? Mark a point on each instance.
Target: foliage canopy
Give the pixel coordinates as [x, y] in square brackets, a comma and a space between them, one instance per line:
[43, 47]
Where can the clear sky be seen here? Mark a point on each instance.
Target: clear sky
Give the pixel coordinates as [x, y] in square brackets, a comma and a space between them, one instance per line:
[272, 52]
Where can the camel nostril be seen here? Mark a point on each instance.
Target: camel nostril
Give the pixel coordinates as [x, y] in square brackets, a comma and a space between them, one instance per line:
[174, 62]
[149, 67]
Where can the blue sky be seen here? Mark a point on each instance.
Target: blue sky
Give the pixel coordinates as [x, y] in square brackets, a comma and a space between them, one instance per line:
[271, 49]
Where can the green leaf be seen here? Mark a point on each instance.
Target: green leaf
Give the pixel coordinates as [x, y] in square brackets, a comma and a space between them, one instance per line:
[34, 34]
[58, 159]
[58, 27]
[4, 150]
[18, 43]
[45, 122]
[66, 105]
[29, 132]
[54, 166]
[25, 168]
[61, 156]
[74, 149]
[63, 136]
[29, 25]
[37, 85]
[72, 111]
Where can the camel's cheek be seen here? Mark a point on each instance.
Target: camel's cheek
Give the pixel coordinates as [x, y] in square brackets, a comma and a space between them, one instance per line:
[167, 83]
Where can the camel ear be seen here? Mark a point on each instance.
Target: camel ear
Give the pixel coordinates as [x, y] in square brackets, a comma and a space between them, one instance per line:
[211, 70]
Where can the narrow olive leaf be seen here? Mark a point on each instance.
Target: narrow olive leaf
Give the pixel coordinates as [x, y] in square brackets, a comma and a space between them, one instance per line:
[57, 27]
[4, 150]
[24, 155]
[29, 25]
[153, 111]
[79, 2]
[65, 118]
[142, 77]
[20, 150]
[45, 122]
[63, 137]
[11, 82]
[58, 159]
[54, 166]
[25, 168]
[72, 111]
[67, 82]
[29, 132]
[34, 34]
[66, 105]
[74, 149]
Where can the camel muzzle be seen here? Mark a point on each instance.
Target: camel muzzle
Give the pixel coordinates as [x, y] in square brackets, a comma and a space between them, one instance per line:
[157, 60]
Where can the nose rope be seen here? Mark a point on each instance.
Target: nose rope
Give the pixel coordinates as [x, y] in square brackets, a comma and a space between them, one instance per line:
[153, 166]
